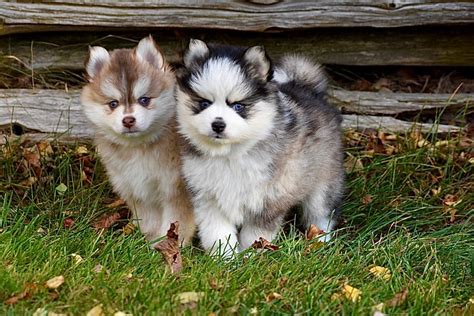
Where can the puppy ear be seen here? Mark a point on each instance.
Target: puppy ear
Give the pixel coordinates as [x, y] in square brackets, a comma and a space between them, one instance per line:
[258, 61]
[98, 58]
[197, 49]
[148, 51]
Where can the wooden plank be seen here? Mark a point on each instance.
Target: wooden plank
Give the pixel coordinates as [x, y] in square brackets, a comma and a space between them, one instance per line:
[233, 15]
[360, 46]
[372, 103]
[57, 111]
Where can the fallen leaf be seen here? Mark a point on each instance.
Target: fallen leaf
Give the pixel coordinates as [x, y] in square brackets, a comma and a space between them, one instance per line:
[116, 203]
[313, 231]
[436, 191]
[379, 313]
[32, 158]
[77, 258]
[68, 222]
[55, 282]
[169, 248]
[96, 311]
[272, 297]
[336, 296]
[107, 220]
[451, 200]
[120, 313]
[29, 182]
[253, 311]
[27, 292]
[367, 199]
[398, 299]
[44, 148]
[98, 268]
[61, 188]
[381, 272]
[351, 293]
[82, 150]
[189, 297]
[262, 243]
[452, 214]
[128, 229]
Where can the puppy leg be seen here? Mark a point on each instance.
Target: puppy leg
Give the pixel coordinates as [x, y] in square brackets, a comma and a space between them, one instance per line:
[317, 211]
[149, 219]
[218, 235]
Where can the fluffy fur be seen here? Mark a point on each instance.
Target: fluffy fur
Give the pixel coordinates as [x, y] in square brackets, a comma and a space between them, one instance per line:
[129, 101]
[281, 149]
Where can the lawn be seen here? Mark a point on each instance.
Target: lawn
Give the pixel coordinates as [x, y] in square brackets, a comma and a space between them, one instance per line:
[408, 214]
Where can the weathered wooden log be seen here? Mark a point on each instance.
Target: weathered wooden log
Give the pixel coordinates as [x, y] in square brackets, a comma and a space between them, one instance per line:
[59, 112]
[233, 15]
[360, 46]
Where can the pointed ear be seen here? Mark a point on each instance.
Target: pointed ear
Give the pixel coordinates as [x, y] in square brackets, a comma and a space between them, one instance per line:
[98, 58]
[258, 61]
[197, 49]
[148, 51]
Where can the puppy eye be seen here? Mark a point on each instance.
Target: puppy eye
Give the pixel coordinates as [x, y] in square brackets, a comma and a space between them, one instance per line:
[204, 104]
[113, 104]
[238, 107]
[144, 101]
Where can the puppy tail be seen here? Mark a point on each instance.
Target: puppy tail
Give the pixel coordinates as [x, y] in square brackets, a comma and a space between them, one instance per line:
[301, 70]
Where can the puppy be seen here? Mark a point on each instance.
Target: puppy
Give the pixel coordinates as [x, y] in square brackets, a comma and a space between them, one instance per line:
[130, 102]
[260, 140]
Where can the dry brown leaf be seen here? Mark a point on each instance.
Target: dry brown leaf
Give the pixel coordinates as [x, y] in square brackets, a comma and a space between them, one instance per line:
[55, 282]
[107, 220]
[451, 200]
[398, 299]
[351, 293]
[44, 148]
[68, 222]
[381, 272]
[32, 158]
[313, 231]
[272, 297]
[27, 293]
[96, 311]
[169, 248]
[116, 203]
[367, 199]
[262, 243]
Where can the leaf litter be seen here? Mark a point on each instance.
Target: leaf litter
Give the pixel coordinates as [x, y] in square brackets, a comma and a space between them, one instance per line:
[169, 248]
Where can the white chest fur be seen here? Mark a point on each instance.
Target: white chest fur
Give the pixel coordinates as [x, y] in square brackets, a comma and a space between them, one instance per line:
[138, 174]
[237, 185]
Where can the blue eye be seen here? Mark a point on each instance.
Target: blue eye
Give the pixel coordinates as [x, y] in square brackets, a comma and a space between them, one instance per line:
[238, 107]
[204, 104]
[113, 104]
[144, 101]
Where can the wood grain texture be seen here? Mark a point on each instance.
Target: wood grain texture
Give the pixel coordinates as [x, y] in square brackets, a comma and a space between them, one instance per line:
[435, 46]
[59, 112]
[232, 15]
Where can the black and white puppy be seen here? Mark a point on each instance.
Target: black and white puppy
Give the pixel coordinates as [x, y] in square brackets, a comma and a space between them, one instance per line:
[259, 140]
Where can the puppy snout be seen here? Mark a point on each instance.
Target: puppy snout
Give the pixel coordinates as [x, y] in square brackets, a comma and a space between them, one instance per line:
[128, 121]
[218, 125]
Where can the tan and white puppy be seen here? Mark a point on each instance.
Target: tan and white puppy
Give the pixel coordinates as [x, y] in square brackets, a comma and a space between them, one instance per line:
[129, 101]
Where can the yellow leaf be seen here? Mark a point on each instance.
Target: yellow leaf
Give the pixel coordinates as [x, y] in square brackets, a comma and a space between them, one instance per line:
[77, 258]
[120, 313]
[96, 311]
[381, 272]
[55, 282]
[336, 296]
[82, 150]
[189, 297]
[351, 293]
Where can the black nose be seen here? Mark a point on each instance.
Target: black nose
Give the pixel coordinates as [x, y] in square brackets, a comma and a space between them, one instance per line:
[128, 121]
[218, 126]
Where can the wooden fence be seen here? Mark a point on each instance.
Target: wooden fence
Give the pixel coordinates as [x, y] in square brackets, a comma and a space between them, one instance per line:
[46, 37]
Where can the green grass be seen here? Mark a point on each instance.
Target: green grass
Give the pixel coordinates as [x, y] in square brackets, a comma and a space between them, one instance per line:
[405, 228]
